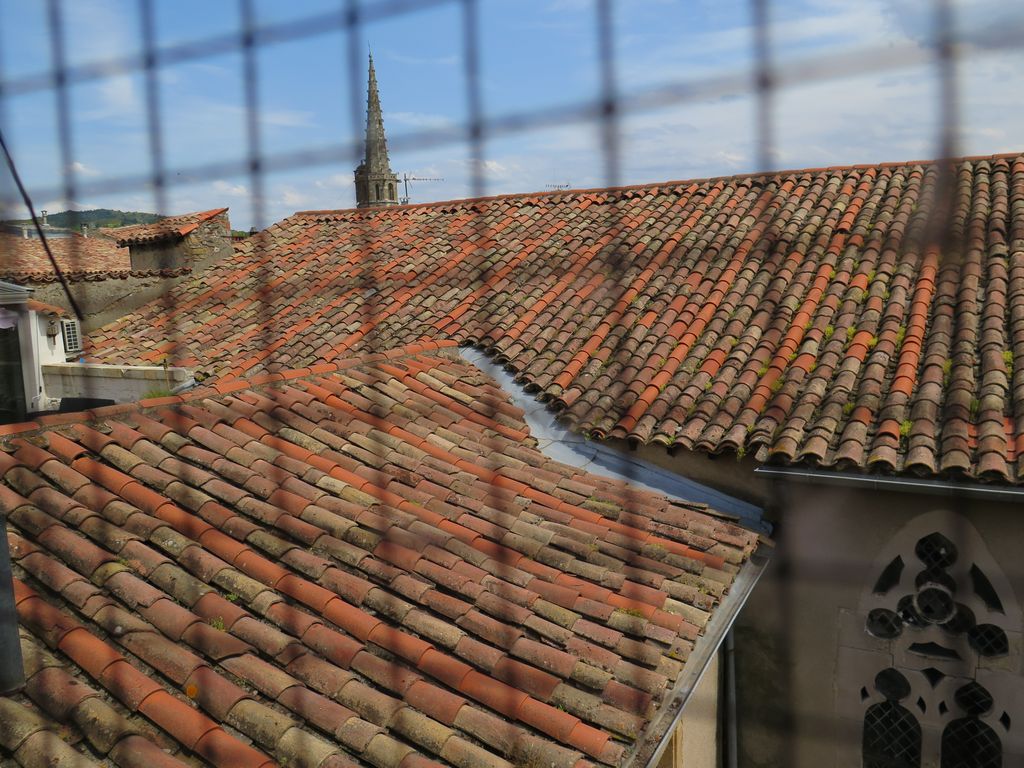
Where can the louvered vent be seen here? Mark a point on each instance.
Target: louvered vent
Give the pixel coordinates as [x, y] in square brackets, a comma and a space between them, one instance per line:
[72, 336]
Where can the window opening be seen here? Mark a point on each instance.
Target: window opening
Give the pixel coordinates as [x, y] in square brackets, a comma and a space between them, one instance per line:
[968, 742]
[983, 589]
[892, 735]
[890, 576]
[935, 604]
[962, 621]
[936, 551]
[935, 650]
[884, 623]
[989, 640]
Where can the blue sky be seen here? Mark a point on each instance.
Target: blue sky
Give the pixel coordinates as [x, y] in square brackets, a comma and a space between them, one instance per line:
[536, 55]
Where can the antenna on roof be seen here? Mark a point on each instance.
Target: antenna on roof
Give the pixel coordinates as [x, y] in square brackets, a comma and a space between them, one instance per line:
[406, 178]
[558, 186]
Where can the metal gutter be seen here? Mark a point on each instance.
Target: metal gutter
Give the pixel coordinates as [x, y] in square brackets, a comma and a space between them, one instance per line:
[674, 703]
[948, 488]
[558, 442]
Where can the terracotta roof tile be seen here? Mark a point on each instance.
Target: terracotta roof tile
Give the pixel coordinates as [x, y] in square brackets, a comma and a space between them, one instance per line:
[79, 258]
[169, 227]
[753, 313]
[341, 618]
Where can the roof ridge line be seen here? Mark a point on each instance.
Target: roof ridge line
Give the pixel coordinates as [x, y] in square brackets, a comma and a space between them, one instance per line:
[545, 194]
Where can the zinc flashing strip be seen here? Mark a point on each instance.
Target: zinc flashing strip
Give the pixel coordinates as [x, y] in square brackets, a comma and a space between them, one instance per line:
[561, 444]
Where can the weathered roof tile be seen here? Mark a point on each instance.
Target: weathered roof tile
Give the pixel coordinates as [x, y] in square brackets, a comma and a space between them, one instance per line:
[362, 636]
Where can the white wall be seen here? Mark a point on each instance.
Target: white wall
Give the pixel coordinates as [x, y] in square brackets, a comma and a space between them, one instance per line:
[120, 383]
[37, 348]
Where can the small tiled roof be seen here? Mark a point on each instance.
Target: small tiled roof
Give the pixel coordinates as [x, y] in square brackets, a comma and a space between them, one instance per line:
[169, 228]
[369, 563]
[40, 306]
[78, 257]
[799, 315]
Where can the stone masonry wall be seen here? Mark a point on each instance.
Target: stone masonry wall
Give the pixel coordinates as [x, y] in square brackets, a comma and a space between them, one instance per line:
[156, 256]
[208, 243]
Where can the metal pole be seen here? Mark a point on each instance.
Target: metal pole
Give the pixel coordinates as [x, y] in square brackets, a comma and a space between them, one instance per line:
[731, 723]
[12, 669]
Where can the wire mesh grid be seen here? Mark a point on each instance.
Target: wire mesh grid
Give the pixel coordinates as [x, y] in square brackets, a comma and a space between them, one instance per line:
[604, 111]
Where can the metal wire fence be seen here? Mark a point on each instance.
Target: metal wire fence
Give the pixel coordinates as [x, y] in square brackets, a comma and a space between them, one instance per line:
[604, 110]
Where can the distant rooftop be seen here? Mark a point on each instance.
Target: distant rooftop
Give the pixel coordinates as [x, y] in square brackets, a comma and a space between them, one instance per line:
[26, 259]
[170, 228]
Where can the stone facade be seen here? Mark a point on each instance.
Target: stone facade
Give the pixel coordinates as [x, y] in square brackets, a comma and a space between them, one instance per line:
[807, 664]
[154, 267]
[209, 242]
[103, 301]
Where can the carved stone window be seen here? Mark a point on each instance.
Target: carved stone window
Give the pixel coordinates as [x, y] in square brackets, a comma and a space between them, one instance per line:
[892, 735]
[967, 742]
[932, 679]
[934, 602]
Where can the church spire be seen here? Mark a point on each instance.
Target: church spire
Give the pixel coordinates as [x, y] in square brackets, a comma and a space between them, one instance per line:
[376, 184]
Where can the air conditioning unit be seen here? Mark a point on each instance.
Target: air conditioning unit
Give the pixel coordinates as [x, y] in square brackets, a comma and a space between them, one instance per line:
[72, 336]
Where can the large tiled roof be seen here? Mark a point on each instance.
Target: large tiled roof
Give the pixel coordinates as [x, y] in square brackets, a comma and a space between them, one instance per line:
[168, 228]
[366, 564]
[799, 315]
[79, 258]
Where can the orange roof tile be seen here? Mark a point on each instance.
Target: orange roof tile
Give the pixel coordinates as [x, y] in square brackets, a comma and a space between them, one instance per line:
[329, 566]
[749, 314]
[170, 227]
[78, 257]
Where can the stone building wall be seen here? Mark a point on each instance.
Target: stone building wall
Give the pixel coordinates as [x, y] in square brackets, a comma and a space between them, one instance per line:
[164, 254]
[805, 660]
[807, 663]
[102, 301]
[209, 242]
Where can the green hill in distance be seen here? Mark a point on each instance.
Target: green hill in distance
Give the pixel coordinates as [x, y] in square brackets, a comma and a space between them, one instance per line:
[99, 217]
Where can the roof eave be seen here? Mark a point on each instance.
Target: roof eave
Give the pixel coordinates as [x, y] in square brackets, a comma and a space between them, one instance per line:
[898, 483]
[647, 752]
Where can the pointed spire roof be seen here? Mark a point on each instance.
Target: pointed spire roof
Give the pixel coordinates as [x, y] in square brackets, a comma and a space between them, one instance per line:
[376, 159]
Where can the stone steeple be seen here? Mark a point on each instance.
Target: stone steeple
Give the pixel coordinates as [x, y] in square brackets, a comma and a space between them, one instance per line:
[376, 184]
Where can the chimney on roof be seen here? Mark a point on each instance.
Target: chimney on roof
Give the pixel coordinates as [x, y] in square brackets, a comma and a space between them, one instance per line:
[376, 183]
[85, 230]
[24, 232]
[44, 218]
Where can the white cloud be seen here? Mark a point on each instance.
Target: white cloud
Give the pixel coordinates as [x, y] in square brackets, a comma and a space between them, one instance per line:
[419, 120]
[334, 181]
[84, 170]
[292, 198]
[287, 118]
[100, 30]
[228, 189]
